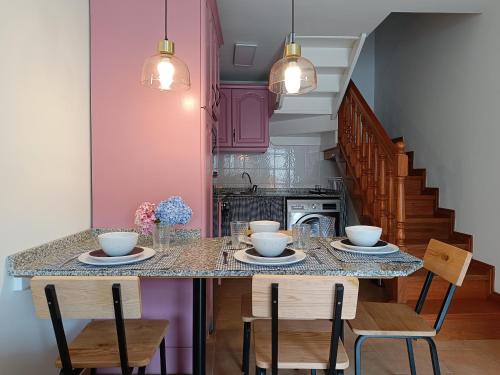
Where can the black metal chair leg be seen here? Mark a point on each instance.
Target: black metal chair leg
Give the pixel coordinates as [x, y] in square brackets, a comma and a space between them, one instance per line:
[357, 354]
[411, 356]
[313, 372]
[434, 356]
[340, 372]
[142, 370]
[163, 360]
[259, 371]
[245, 363]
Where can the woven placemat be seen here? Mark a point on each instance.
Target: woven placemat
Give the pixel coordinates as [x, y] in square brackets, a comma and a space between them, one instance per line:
[321, 260]
[160, 261]
[348, 257]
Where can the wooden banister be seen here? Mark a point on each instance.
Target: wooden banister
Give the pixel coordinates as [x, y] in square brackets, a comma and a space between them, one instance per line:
[377, 165]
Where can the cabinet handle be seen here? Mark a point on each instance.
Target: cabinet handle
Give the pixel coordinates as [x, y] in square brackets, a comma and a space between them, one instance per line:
[217, 95]
[234, 136]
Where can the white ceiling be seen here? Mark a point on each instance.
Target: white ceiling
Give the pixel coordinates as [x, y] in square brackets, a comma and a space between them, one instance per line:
[267, 22]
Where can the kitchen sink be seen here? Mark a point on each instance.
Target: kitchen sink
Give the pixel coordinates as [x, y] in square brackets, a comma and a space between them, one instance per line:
[244, 192]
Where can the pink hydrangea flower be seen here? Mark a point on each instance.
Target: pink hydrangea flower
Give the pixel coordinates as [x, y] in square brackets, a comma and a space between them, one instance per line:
[145, 217]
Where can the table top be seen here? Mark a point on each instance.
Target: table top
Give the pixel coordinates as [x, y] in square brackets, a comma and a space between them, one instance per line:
[191, 258]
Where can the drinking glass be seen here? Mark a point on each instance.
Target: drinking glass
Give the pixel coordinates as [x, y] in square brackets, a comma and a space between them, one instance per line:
[238, 233]
[327, 227]
[301, 234]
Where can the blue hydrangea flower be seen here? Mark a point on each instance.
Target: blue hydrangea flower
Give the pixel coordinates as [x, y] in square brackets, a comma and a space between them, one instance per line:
[173, 211]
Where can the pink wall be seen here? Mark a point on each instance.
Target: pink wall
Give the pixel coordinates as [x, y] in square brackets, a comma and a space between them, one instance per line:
[146, 144]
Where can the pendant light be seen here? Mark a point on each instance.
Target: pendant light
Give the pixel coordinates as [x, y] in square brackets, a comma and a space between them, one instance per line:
[164, 71]
[293, 74]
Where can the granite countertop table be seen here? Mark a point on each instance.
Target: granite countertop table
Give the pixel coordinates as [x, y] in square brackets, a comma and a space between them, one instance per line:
[197, 258]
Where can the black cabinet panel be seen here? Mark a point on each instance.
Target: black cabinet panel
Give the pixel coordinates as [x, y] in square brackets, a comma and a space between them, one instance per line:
[249, 209]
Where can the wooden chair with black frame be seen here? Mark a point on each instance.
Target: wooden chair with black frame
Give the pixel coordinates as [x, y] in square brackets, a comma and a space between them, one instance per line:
[119, 338]
[399, 321]
[299, 322]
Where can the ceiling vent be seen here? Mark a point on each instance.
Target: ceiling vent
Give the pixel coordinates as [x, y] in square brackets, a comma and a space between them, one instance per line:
[244, 54]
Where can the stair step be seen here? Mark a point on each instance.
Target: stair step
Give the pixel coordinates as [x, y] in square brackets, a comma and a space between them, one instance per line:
[414, 185]
[467, 319]
[418, 248]
[425, 228]
[477, 284]
[420, 205]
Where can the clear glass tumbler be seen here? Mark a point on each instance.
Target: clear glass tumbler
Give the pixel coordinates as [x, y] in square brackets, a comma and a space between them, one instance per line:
[238, 233]
[327, 227]
[161, 237]
[301, 235]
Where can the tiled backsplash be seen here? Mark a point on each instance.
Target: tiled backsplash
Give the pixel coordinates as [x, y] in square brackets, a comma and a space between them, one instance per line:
[280, 167]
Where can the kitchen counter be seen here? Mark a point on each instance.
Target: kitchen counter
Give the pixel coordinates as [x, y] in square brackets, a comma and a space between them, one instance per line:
[195, 258]
[277, 192]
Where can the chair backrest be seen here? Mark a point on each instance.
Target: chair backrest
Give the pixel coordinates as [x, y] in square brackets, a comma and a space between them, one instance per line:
[82, 297]
[304, 297]
[447, 261]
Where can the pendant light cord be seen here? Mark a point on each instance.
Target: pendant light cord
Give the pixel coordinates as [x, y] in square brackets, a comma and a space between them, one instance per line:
[166, 12]
[293, 22]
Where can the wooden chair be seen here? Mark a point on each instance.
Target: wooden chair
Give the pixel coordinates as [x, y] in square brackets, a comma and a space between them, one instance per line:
[399, 321]
[120, 339]
[296, 332]
[247, 318]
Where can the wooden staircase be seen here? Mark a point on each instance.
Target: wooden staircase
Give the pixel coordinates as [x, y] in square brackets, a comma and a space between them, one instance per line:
[387, 191]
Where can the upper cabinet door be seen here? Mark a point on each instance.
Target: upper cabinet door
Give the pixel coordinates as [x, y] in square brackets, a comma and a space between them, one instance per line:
[250, 118]
[224, 131]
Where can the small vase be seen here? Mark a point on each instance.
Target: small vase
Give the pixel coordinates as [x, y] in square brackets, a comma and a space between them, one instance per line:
[161, 236]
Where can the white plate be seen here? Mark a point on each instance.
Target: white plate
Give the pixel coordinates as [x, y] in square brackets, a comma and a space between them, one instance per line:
[368, 248]
[389, 249]
[109, 259]
[242, 257]
[146, 254]
[247, 240]
[261, 259]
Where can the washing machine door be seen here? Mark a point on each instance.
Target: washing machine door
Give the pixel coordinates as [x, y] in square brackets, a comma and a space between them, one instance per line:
[313, 221]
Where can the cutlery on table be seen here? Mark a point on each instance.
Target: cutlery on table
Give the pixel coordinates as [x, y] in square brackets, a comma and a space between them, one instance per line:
[68, 260]
[317, 258]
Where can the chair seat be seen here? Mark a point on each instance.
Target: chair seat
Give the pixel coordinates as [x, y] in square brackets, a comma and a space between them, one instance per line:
[246, 308]
[97, 345]
[301, 344]
[389, 319]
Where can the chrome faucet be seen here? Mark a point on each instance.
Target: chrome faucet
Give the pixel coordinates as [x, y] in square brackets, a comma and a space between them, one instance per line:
[253, 188]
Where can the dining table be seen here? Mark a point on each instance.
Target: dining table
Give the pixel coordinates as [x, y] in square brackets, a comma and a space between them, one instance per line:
[202, 259]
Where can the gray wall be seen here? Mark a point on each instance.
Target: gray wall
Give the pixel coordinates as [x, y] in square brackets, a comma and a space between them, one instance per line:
[438, 84]
[364, 72]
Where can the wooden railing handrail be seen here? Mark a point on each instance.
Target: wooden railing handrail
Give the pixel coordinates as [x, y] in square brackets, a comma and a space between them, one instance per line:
[376, 126]
[377, 166]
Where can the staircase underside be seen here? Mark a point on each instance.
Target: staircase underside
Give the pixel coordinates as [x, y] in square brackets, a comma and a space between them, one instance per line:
[475, 310]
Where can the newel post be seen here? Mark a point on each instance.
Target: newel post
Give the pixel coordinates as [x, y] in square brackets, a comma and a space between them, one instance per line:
[340, 123]
[401, 174]
[382, 194]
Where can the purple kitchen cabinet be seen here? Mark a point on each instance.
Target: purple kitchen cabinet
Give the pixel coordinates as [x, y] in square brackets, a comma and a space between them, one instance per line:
[246, 120]
[224, 133]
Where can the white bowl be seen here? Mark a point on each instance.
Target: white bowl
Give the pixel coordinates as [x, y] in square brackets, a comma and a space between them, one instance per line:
[269, 244]
[264, 226]
[363, 235]
[118, 243]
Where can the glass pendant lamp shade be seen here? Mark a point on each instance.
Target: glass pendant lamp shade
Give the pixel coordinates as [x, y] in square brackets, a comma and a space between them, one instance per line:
[164, 71]
[293, 74]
